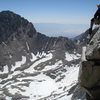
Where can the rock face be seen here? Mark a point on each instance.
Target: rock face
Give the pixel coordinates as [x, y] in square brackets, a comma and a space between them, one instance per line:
[12, 25]
[89, 76]
[18, 38]
[93, 49]
[83, 39]
[16, 35]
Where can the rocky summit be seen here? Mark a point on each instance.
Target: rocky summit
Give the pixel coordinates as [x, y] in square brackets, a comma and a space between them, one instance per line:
[34, 66]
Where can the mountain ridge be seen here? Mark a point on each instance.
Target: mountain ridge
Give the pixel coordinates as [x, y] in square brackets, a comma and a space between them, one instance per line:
[29, 58]
[19, 37]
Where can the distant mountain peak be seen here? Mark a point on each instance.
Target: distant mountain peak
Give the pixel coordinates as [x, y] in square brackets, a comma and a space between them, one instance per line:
[11, 23]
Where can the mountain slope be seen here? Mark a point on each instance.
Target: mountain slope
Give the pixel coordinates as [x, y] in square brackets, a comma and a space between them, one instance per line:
[18, 37]
[30, 59]
[42, 80]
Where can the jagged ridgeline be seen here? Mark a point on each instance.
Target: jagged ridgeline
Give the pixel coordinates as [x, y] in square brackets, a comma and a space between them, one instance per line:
[19, 37]
[34, 66]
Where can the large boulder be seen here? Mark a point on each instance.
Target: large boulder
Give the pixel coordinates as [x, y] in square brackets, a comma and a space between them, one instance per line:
[89, 74]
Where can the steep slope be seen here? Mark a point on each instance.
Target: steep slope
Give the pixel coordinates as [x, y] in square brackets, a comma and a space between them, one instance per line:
[18, 37]
[30, 59]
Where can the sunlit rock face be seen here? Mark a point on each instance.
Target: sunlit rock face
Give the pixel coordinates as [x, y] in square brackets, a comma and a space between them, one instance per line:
[89, 70]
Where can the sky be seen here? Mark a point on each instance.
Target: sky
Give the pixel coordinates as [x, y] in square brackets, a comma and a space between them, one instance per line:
[70, 12]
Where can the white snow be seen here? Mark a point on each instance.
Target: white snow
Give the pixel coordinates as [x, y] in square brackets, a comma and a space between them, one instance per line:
[46, 58]
[4, 43]
[29, 77]
[43, 88]
[27, 46]
[13, 90]
[41, 85]
[66, 97]
[7, 83]
[78, 42]
[40, 55]
[46, 45]
[13, 74]
[71, 75]
[70, 57]
[48, 67]
[8, 98]
[54, 43]
[83, 54]
[19, 63]
[33, 57]
[5, 70]
[10, 56]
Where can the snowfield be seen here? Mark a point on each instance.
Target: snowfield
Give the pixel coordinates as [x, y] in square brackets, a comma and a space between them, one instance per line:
[70, 57]
[52, 82]
[19, 63]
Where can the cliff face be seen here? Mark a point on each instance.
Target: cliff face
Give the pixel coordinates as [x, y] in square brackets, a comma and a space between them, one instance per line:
[89, 76]
[16, 34]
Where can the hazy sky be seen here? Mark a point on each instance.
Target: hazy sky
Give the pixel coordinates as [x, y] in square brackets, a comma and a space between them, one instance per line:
[53, 11]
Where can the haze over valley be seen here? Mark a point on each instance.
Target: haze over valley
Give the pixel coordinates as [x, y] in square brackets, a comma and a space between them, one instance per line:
[56, 29]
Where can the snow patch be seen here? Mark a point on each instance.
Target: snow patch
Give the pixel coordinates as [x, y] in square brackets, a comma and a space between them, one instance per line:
[46, 58]
[8, 98]
[13, 74]
[40, 85]
[27, 46]
[33, 57]
[19, 63]
[5, 70]
[43, 88]
[83, 54]
[10, 56]
[49, 67]
[40, 55]
[70, 57]
[78, 42]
